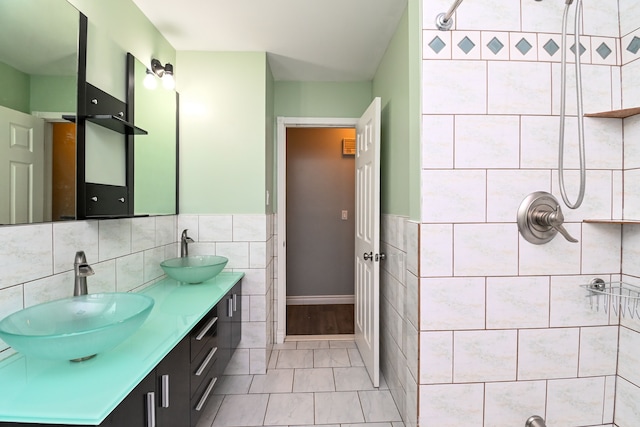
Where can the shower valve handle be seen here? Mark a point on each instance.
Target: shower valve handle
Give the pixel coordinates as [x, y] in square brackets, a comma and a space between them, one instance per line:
[552, 218]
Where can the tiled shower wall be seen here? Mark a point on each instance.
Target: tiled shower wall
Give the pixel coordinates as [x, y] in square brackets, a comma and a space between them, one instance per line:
[36, 261]
[399, 312]
[36, 265]
[627, 410]
[505, 329]
[247, 240]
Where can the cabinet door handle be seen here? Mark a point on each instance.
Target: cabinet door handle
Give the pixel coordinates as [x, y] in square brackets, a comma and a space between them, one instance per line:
[205, 396]
[151, 409]
[230, 307]
[235, 304]
[206, 361]
[165, 391]
[206, 328]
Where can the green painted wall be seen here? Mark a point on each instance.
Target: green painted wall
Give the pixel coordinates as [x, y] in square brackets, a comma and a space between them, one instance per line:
[322, 99]
[14, 89]
[222, 132]
[414, 10]
[53, 93]
[392, 83]
[127, 26]
[270, 146]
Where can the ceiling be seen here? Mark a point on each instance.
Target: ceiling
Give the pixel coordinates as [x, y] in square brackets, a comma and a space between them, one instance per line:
[306, 40]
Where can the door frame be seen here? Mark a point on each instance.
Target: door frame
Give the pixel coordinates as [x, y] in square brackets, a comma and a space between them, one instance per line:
[281, 167]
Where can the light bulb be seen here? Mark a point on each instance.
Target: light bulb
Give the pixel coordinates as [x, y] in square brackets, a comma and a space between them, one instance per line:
[168, 82]
[150, 81]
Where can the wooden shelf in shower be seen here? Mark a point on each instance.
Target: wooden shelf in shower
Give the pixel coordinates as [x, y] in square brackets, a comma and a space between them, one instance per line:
[612, 221]
[616, 114]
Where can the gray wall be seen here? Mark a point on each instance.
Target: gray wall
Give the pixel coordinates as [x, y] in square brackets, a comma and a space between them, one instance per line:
[320, 185]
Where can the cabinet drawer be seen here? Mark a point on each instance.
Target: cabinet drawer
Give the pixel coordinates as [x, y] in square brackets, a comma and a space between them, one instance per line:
[204, 331]
[202, 396]
[203, 366]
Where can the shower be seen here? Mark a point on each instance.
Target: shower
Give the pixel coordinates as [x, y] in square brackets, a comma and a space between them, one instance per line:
[563, 93]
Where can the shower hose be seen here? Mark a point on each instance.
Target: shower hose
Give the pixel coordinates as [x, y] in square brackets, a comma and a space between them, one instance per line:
[563, 94]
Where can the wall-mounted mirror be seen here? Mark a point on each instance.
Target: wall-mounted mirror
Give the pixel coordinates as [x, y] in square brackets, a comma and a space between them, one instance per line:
[38, 69]
[155, 170]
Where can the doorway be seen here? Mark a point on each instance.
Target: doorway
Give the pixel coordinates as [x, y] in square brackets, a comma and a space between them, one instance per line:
[283, 297]
[320, 194]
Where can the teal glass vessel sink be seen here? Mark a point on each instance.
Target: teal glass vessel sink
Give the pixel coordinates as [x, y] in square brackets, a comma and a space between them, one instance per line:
[194, 268]
[76, 328]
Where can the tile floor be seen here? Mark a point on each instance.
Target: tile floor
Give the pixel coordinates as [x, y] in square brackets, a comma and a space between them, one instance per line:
[307, 383]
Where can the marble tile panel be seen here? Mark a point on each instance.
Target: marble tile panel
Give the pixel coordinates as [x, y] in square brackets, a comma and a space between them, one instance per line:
[129, 272]
[242, 410]
[338, 407]
[453, 196]
[290, 408]
[295, 359]
[507, 188]
[508, 95]
[312, 344]
[627, 403]
[233, 384]
[571, 307]
[555, 257]
[451, 405]
[517, 302]
[71, 237]
[189, 223]
[577, 401]
[165, 229]
[487, 142]
[249, 228]
[459, 86]
[114, 238]
[478, 246]
[49, 288]
[483, 16]
[342, 344]
[436, 249]
[484, 356]
[598, 351]
[331, 358]
[354, 357]
[378, 406]
[237, 252]
[215, 228]
[452, 303]
[548, 353]
[437, 141]
[352, 379]
[274, 381]
[506, 402]
[152, 259]
[311, 380]
[21, 247]
[239, 363]
[436, 357]
[143, 233]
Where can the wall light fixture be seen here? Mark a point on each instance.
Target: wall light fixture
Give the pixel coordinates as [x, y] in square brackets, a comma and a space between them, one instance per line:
[164, 72]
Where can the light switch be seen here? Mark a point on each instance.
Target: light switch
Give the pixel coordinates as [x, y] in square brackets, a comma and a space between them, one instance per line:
[345, 215]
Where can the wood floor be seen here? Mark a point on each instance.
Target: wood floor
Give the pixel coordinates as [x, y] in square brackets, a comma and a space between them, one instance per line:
[326, 319]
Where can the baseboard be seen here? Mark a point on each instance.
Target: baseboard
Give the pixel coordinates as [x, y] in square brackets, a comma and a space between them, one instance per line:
[320, 299]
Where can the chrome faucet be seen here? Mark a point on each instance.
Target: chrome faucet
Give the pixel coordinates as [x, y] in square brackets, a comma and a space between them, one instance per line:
[82, 269]
[184, 244]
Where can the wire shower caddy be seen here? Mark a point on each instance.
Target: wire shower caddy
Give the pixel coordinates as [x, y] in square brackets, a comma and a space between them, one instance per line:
[623, 298]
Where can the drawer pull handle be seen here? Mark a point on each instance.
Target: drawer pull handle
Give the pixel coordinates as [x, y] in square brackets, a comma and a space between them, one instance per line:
[235, 304]
[205, 396]
[206, 328]
[206, 361]
[230, 307]
[151, 409]
[165, 391]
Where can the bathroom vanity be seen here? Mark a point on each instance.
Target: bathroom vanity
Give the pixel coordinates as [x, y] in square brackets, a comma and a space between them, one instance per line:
[161, 376]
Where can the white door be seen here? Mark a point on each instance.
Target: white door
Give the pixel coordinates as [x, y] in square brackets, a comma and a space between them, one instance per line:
[367, 268]
[21, 167]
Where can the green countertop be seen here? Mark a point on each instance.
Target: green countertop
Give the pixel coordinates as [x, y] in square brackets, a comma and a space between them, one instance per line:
[84, 393]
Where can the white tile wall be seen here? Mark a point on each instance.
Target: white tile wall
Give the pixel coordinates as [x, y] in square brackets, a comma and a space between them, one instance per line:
[36, 261]
[505, 329]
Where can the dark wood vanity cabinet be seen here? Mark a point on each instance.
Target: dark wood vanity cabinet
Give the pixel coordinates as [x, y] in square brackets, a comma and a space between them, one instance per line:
[176, 391]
